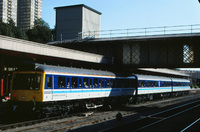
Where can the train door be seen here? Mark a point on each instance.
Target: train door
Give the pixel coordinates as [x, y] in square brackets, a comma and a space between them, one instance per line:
[48, 91]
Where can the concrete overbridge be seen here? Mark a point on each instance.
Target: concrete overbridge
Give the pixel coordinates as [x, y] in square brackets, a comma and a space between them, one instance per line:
[159, 47]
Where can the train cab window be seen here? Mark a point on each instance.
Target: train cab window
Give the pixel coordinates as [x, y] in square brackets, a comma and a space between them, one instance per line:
[61, 82]
[74, 82]
[95, 83]
[26, 81]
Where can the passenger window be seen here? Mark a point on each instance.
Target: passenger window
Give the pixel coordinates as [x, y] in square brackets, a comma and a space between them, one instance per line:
[142, 84]
[85, 82]
[103, 83]
[61, 82]
[68, 83]
[80, 82]
[156, 84]
[100, 81]
[95, 83]
[91, 83]
[74, 82]
[107, 83]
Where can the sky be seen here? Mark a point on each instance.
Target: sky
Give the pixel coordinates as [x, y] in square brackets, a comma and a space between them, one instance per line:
[126, 14]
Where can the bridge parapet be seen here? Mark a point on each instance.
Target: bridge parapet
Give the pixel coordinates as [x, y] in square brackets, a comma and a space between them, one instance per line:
[135, 32]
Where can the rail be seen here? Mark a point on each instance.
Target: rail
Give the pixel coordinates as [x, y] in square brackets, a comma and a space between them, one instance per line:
[133, 32]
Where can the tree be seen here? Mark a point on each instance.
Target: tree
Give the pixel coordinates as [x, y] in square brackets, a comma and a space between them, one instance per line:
[41, 32]
[9, 29]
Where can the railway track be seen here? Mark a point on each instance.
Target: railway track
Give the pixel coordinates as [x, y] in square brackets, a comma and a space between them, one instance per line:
[103, 120]
[153, 122]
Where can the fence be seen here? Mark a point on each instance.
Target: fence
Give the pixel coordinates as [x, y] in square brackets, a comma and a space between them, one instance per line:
[150, 31]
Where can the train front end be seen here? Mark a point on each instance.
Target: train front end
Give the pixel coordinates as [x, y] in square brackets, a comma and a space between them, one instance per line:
[26, 89]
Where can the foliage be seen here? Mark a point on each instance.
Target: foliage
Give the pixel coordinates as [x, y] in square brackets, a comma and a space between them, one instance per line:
[40, 33]
[9, 29]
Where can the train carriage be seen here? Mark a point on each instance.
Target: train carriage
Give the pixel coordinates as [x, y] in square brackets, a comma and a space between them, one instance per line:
[153, 84]
[56, 88]
[180, 85]
[54, 84]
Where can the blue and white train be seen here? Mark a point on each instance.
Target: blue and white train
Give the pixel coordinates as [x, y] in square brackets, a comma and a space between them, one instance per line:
[55, 88]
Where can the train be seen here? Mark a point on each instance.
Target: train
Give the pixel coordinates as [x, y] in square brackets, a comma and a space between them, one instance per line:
[48, 89]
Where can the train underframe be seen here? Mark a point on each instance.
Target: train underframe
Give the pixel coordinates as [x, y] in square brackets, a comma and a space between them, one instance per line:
[45, 109]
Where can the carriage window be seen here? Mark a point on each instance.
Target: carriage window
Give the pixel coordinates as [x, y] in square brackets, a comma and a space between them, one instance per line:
[74, 82]
[156, 84]
[68, 83]
[80, 82]
[90, 82]
[100, 81]
[142, 84]
[107, 83]
[146, 84]
[95, 83]
[151, 84]
[61, 82]
[85, 82]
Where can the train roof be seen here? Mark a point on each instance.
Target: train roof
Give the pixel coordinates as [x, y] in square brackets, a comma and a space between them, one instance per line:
[150, 77]
[160, 78]
[60, 69]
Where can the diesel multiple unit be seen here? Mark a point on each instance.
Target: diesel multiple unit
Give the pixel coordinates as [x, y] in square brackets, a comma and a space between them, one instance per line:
[54, 88]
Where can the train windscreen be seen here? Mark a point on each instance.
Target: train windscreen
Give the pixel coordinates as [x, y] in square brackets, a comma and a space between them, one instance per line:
[26, 81]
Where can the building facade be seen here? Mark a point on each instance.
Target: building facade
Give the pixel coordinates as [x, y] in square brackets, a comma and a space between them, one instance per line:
[72, 20]
[8, 10]
[22, 12]
[28, 12]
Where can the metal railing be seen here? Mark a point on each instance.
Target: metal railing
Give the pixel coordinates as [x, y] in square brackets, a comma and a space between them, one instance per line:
[133, 32]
